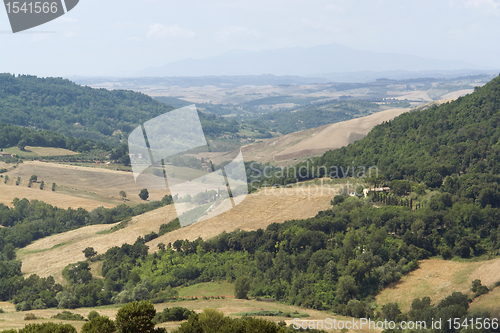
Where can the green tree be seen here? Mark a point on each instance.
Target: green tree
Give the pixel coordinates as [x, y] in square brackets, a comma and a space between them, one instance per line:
[89, 252]
[53, 186]
[400, 187]
[9, 251]
[347, 289]
[34, 178]
[242, 287]
[99, 325]
[21, 145]
[144, 195]
[123, 194]
[48, 328]
[93, 314]
[478, 288]
[391, 311]
[136, 317]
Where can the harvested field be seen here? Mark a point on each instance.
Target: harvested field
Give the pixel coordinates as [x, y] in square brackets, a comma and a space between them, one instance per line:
[258, 210]
[456, 94]
[84, 181]
[36, 152]
[438, 279]
[289, 148]
[50, 255]
[9, 192]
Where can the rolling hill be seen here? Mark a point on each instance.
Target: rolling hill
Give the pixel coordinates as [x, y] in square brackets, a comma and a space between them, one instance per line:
[298, 146]
[48, 256]
[285, 149]
[454, 138]
[438, 279]
[444, 157]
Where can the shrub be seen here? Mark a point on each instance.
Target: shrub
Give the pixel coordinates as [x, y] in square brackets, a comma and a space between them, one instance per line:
[66, 315]
[242, 287]
[93, 314]
[23, 306]
[478, 288]
[173, 314]
[144, 194]
[48, 327]
[134, 315]
[99, 325]
[30, 316]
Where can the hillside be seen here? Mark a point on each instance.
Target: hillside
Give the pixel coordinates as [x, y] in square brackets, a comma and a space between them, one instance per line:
[457, 137]
[285, 149]
[70, 109]
[437, 279]
[83, 112]
[9, 192]
[48, 256]
[76, 182]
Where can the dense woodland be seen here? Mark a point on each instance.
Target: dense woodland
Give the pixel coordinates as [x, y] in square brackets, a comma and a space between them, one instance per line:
[86, 113]
[73, 110]
[318, 114]
[16, 136]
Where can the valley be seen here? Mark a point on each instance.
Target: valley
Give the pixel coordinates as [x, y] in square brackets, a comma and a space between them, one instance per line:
[299, 245]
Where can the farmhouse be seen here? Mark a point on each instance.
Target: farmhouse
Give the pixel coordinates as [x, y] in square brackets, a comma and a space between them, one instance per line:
[368, 191]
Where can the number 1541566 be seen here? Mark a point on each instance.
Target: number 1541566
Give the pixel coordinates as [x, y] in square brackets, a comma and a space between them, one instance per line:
[36, 7]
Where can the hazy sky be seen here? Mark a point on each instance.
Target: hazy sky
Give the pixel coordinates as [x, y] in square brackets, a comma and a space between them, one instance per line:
[105, 37]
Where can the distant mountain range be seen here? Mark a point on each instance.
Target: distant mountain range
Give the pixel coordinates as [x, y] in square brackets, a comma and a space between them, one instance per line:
[312, 61]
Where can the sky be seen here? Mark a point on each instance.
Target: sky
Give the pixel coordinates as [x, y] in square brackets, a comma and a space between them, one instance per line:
[121, 37]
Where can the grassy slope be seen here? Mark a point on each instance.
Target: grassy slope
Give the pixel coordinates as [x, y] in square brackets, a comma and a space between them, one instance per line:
[61, 200]
[39, 151]
[256, 211]
[79, 182]
[299, 145]
[489, 302]
[438, 278]
[44, 259]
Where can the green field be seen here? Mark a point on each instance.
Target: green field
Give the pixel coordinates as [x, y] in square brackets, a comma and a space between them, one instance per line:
[34, 152]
